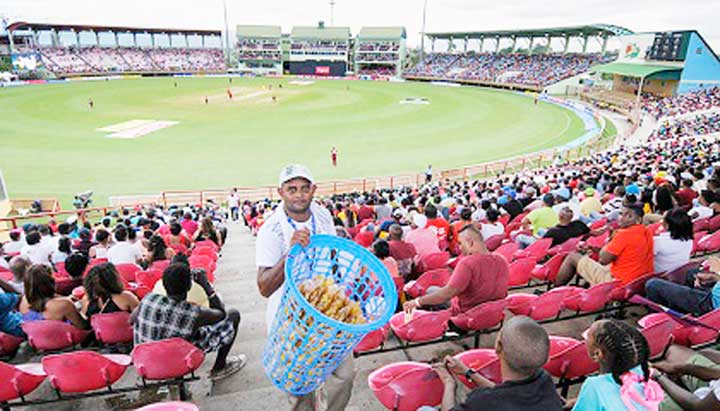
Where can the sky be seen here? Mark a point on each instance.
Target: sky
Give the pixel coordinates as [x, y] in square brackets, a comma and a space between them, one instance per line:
[442, 15]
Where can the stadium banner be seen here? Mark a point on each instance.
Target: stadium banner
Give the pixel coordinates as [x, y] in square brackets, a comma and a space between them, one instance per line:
[26, 61]
[634, 48]
[322, 70]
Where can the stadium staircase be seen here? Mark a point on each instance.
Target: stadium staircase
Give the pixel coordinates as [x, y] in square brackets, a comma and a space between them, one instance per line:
[154, 63]
[80, 56]
[128, 66]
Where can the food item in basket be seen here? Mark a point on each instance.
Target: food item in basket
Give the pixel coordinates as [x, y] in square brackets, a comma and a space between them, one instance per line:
[331, 300]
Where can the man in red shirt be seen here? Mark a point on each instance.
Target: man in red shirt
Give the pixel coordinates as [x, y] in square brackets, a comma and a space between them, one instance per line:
[686, 194]
[479, 277]
[365, 212]
[441, 225]
[333, 155]
[403, 253]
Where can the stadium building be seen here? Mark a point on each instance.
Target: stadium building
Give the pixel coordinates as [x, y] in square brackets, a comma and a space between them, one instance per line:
[259, 49]
[380, 51]
[319, 50]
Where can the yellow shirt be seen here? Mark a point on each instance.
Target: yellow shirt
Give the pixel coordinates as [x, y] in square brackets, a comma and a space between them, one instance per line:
[590, 205]
[543, 217]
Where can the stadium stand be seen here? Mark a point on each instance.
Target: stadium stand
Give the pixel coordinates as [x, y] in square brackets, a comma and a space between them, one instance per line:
[323, 51]
[259, 49]
[380, 51]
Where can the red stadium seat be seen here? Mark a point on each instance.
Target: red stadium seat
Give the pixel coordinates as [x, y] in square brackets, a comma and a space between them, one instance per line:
[6, 275]
[507, 250]
[714, 223]
[170, 406]
[482, 317]
[569, 359]
[432, 262]
[207, 243]
[19, 380]
[84, 371]
[539, 307]
[434, 278]
[160, 265]
[636, 286]
[709, 243]
[520, 270]
[424, 325]
[60, 271]
[49, 335]
[372, 340]
[596, 225]
[537, 250]
[494, 242]
[483, 360]
[697, 236]
[593, 299]
[598, 241]
[112, 328]
[701, 224]
[696, 335]
[658, 335]
[148, 278]
[9, 344]
[549, 270]
[180, 248]
[406, 386]
[204, 262]
[127, 271]
[566, 247]
[208, 251]
[166, 359]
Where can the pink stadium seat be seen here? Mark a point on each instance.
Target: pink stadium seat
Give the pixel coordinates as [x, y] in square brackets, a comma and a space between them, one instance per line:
[598, 241]
[9, 343]
[160, 265]
[19, 380]
[204, 262]
[406, 386]
[373, 340]
[538, 307]
[696, 335]
[658, 335]
[148, 278]
[636, 286]
[549, 270]
[60, 271]
[112, 328]
[714, 223]
[424, 325]
[507, 250]
[49, 335]
[599, 224]
[537, 250]
[208, 251]
[207, 243]
[127, 271]
[170, 406]
[709, 243]
[701, 224]
[520, 270]
[697, 236]
[94, 262]
[494, 242]
[569, 358]
[434, 278]
[566, 247]
[432, 262]
[166, 359]
[482, 317]
[483, 360]
[593, 299]
[84, 371]
[180, 249]
[6, 275]
[504, 219]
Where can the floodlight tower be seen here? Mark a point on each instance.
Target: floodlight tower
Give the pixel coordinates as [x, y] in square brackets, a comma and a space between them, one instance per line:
[422, 32]
[332, 13]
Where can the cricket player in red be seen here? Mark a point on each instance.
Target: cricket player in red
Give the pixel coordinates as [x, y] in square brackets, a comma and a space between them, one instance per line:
[333, 155]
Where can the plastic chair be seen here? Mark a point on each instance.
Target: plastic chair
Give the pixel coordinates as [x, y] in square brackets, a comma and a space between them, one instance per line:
[593, 299]
[537, 250]
[406, 386]
[60, 271]
[434, 278]
[6, 275]
[598, 241]
[112, 328]
[374, 339]
[424, 325]
[519, 271]
[432, 262]
[159, 265]
[549, 270]
[9, 344]
[658, 335]
[204, 262]
[636, 286]
[180, 248]
[697, 236]
[166, 359]
[208, 251]
[207, 243]
[170, 406]
[566, 247]
[709, 243]
[696, 335]
[482, 317]
[569, 359]
[148, 278]
[538, 307]
[50, 335]
[128, 271]
[19, 380]
[596, 225]
[492, 243]
[483, 360]
[84, 371]
[714, 223]
[507, 250]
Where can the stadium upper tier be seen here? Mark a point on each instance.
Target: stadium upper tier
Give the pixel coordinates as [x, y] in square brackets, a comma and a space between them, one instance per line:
[536, 70]
[90, 60]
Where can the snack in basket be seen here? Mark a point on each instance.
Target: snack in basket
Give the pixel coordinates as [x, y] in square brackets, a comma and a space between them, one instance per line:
[331, 300]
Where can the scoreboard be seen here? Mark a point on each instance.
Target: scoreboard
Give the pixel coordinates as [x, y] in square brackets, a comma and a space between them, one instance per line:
[671, 46]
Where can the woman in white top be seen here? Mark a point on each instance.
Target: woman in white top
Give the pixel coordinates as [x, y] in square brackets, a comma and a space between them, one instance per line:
[673, 247]
[62, 252]
[493, 226]
[702, 209]
[100, 249]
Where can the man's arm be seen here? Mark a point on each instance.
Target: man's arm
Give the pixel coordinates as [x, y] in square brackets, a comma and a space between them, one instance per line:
[208, 316]
[440, 296]
[687, 400]
[200, 277]
[606, 257]
[269, 279]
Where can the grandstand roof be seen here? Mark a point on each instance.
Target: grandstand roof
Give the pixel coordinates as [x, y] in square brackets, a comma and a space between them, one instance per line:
[321, 33]
[588, 30]
[21, 25]
[382, 33]
[634, 70]
[259, 31]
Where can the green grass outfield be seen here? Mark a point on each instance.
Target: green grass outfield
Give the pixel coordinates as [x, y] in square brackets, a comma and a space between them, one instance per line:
[50, 146]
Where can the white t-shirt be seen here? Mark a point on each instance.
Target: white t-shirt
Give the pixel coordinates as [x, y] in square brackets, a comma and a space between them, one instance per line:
[701, 211]
[273, 244]
[38, 253]
[124, 253]
[478, 215]
[488, 230]
[14, 246]
[670, 254]
[233, 200]
[713, 387]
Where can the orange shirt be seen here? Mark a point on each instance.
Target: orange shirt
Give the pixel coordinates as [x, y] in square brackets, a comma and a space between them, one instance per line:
[442, 226]
[633, 247]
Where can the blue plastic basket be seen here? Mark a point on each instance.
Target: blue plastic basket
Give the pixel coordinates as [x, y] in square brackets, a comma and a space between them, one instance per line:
[305, 346]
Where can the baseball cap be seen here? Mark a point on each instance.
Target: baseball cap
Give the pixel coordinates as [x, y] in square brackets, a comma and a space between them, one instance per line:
[420, 220]
[293, 171]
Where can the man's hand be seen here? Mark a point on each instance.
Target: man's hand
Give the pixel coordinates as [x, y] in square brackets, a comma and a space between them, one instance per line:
[301, 237]
[200, 277]
[410, 306]
[667, 367]
[714, 263]
[706, 279]
[444, 374]
[455, 366]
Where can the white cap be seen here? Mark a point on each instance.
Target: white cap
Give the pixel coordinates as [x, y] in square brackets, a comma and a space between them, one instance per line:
[295, 171]
[420, 220]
